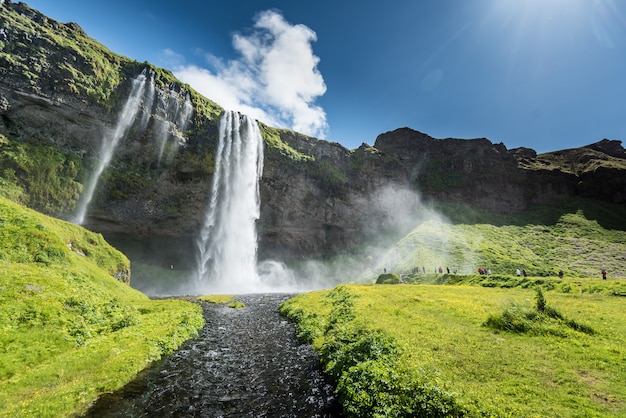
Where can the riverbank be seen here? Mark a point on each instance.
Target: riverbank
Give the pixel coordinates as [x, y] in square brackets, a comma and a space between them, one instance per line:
[246, 362]
[461, 350]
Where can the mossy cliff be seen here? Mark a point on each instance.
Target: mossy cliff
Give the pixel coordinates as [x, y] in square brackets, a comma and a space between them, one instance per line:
[61, 92]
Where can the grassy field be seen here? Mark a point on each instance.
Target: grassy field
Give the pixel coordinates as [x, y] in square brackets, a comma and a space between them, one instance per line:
[69, 330]
[470, 350]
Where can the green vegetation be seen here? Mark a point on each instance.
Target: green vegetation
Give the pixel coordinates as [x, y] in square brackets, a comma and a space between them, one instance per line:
[45, 52]
[69, 330]
[575, 244]
[236, 304]
[543, 320]
[219, 299]
[576, 161]
[327, 173]
[456, 350]
[39, 176]
[388, 278]
[275, 143]
[228, 300]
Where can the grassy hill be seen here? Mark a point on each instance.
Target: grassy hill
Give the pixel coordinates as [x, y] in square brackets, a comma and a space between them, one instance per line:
[470, 351]
[567, 236]
[70, 328]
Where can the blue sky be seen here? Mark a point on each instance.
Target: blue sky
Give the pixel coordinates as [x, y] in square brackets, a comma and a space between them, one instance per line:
[544, 74]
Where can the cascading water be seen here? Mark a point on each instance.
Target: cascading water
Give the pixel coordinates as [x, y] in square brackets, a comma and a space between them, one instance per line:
[171, 120]
[110, 142]
[227, 246]
[170, 115]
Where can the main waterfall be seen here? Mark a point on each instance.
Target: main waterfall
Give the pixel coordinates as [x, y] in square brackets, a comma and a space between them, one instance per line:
[227, 245]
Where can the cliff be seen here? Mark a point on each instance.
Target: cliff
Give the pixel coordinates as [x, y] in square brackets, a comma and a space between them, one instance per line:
[61, 94]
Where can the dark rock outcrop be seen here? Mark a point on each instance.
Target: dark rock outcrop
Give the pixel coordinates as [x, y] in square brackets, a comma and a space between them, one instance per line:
[317, 197]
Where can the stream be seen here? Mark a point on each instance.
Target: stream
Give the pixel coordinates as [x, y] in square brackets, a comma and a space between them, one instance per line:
[246, 362]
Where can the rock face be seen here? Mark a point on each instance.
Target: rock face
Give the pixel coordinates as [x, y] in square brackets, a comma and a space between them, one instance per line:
[318, 197]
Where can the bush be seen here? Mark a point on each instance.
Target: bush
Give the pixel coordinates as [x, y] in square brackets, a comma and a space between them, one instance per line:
[374, 388]
[388, 278]
[342, 350]
[543, 320]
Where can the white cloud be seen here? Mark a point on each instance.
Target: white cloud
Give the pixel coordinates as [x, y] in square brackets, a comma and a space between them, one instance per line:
[275, 79]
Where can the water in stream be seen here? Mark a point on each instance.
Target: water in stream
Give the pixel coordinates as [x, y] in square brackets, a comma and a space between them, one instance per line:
[245, 363]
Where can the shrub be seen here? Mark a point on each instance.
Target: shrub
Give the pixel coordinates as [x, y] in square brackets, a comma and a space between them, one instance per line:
[374, 388]
[388, 278]
[342, 350]
[543, 320]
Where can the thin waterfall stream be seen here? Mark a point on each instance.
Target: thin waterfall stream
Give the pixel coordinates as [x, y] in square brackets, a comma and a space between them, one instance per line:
[110, 142]
[246, 362]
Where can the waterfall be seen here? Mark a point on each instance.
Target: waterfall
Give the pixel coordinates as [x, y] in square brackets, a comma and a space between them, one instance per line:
[109, 143]
[227, 245]
[148, 102]
[171, 117]
[170, 113]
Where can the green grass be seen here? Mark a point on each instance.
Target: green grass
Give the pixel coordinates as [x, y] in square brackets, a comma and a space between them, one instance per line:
[575, 244]
[69, 330]
[436, 340]
[228, 300]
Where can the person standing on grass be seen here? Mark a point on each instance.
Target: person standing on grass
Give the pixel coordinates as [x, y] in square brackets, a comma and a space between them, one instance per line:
[603, 274]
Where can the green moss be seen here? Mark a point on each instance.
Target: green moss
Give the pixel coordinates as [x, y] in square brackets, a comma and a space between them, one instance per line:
[60, 54]
[219, 299]
[46, 177]
[388, 278]
[276, 144]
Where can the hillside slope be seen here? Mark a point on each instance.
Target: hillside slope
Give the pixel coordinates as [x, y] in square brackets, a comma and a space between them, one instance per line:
[70, 326]
[543, 241]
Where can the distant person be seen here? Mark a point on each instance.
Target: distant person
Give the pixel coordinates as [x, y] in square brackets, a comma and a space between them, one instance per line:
[518, 272]
[448, 270]
[603, 274]
[524, 273]
[480, 270]
[424, 269]
[440, 270]
[560, 274]
[488, 272]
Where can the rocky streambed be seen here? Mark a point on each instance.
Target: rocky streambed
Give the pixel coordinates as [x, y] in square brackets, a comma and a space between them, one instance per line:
[246, 362]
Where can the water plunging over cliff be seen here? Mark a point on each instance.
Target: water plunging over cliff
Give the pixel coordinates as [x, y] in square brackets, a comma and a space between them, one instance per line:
[227, 246]
[160, 115]
[109, 144]
[171, 118]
